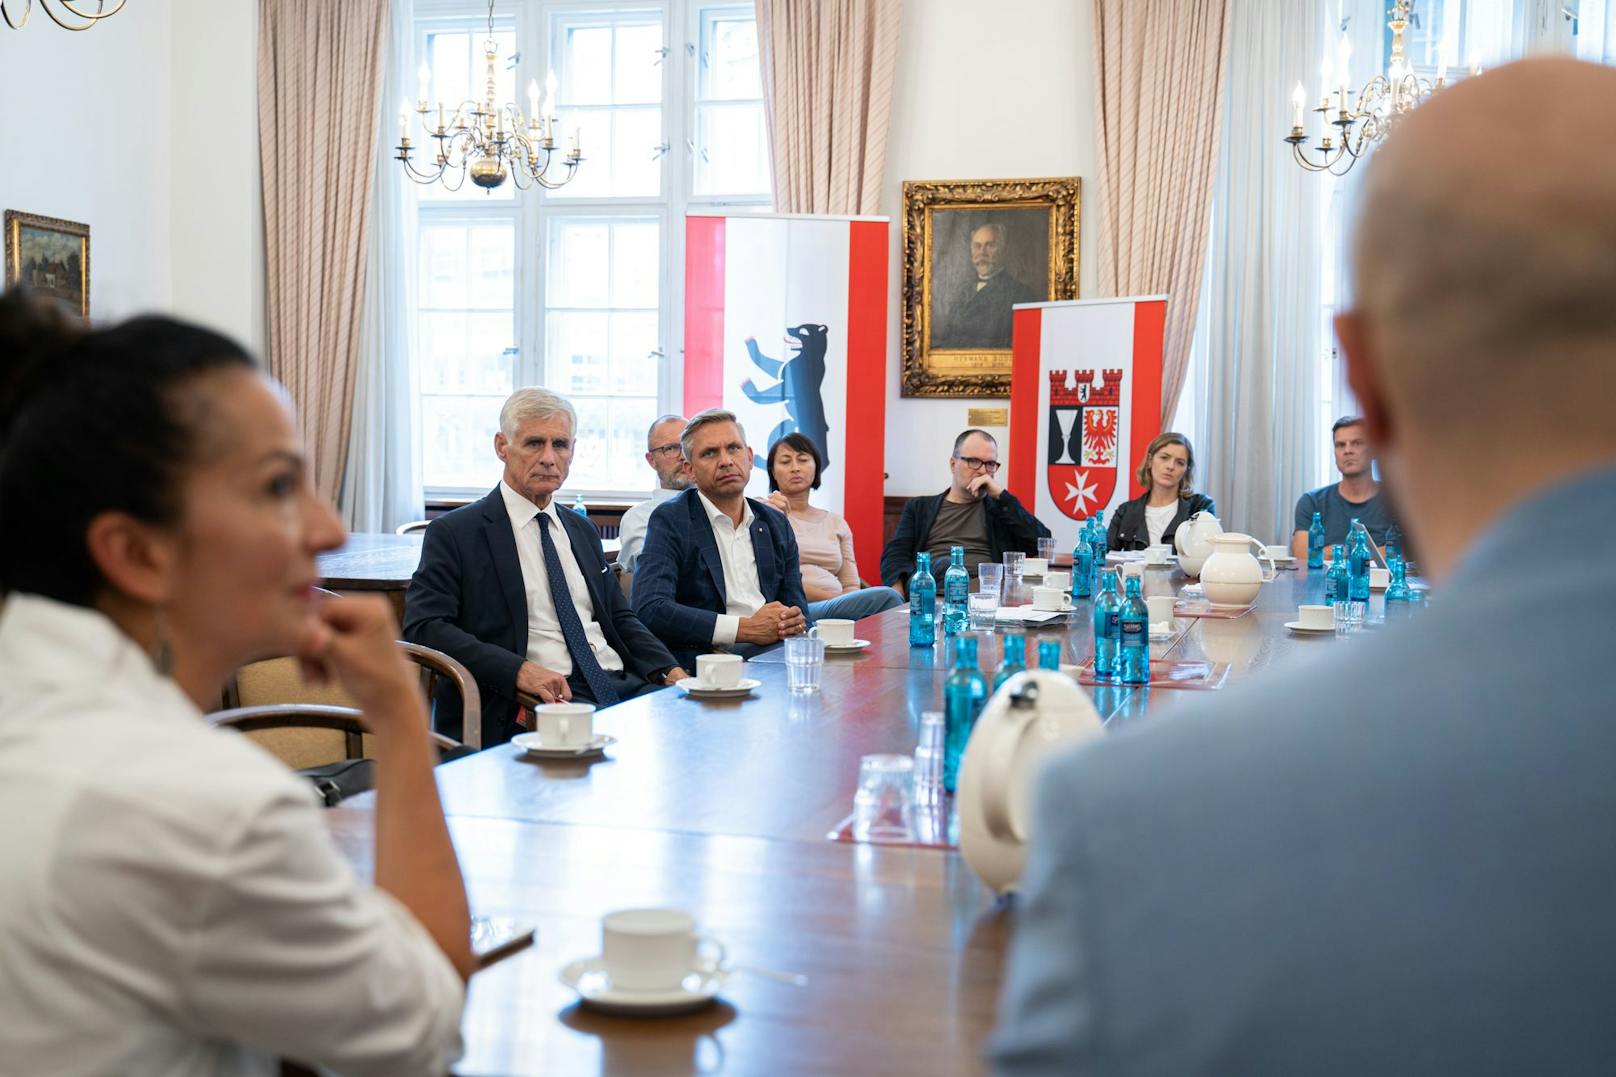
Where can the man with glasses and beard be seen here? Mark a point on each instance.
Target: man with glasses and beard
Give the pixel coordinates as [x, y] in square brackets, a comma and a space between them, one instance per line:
[974, 512]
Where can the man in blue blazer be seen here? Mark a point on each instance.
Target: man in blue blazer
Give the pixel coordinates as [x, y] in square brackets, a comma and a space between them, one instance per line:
[518, 589]
[1395, 858]
[719, 570]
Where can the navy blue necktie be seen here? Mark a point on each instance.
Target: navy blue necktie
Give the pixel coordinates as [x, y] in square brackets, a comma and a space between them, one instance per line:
[572, 629]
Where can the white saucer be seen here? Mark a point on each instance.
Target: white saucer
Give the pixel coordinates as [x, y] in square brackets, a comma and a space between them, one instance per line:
[692, 687]
[1380, 587]
[1298, 626]
[589, 978]
[1067, 608]
[530, 743]
[846, 648]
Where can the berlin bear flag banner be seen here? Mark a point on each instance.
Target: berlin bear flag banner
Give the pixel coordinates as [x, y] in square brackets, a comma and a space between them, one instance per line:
[786, 326]
[1085, 402]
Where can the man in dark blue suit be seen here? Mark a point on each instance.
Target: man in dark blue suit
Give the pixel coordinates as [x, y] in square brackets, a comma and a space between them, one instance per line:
[719, 570]
[519, 591]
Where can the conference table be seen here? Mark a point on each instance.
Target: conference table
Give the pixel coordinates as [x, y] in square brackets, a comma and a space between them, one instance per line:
[726, 810]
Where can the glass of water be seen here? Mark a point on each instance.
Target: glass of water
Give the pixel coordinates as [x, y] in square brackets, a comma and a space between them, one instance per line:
[929, 758]
[805, 660]
[983, 608]
[990, 577]
[1013, 562]
[884, 807]
[1046, 548]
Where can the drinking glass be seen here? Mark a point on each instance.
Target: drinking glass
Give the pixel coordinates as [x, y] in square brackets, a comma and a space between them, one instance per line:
[1046, 549]
[983, 606]
[805, 660]
[883, 807]
[1013, 561]
[990, 577]
[929, 758]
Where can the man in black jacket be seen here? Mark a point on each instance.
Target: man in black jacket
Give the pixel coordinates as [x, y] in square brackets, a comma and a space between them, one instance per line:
[518, 590]
[974, 512]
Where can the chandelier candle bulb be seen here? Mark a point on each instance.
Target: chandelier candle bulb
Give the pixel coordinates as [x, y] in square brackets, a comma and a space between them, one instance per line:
[426, 84]
[1298, 100]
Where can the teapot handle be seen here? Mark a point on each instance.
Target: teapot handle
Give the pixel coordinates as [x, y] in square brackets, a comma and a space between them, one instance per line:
[996, 766]
[1263, 554]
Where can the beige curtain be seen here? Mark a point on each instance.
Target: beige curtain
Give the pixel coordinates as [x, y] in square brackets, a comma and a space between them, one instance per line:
[1159, 83]
[319, 83]
[828, 69]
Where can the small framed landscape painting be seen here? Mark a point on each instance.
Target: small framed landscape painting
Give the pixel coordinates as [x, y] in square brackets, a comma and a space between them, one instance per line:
[51, 257]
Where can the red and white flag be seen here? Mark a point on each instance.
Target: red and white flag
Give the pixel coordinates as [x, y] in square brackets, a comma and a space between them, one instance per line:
[786, 326]
[1085, 402]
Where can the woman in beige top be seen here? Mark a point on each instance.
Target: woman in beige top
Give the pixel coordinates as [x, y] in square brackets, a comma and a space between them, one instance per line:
[830, 576]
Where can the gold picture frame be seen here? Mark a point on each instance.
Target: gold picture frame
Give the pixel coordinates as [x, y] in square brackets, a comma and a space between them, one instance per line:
[50, 256]
[972, 249]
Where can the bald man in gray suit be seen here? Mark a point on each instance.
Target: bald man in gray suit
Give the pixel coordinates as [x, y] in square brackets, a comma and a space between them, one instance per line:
[1401, 857]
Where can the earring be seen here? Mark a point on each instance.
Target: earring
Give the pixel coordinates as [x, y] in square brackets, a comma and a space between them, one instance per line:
[162, 655]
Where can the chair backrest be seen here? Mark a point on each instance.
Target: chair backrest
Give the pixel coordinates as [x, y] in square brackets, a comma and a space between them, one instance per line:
[344, 722]
[411, 527]
[625, 580]
[437, 667]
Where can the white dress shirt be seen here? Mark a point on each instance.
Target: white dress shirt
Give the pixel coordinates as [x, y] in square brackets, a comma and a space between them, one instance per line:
[742, 592]
[631, 529]
[171, 901]
[545, 644]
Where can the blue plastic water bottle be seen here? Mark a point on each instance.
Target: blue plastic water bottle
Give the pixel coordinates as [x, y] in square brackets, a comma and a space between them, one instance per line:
[922, 603]
[1082, 568]
[1315, 542]
[578, 505]
[1014, 659]
[963, 695]
[1358, 560]
[1337, 582]
[1134, 621]
[1049, 654]
[1098, 540]
[1107, 626]
[1399, 590]
[1394, 544]
[956, 592]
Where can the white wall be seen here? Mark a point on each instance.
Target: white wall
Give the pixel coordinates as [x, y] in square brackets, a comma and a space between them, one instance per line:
[218, 216]
[86, 131]
[999, 90]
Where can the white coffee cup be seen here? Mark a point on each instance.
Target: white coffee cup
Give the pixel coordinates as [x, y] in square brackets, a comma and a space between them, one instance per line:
[1379, 578]
[1278, 553]
[1156, 555]
[1161, 609]
[654, 949]
[1034, 566]
[835, 631]
[1315, 616]
[1048, 598]
[565, 725]
[1061, 581]
[718, 670]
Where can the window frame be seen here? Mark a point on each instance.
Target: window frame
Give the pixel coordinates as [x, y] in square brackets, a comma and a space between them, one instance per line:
[532, 210]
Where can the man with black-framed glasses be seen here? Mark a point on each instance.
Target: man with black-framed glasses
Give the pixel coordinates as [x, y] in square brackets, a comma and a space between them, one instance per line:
[975, 512]
[663, 454]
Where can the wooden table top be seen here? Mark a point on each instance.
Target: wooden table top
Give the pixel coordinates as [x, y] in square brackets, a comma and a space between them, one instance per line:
[723, 809]
[371, 562]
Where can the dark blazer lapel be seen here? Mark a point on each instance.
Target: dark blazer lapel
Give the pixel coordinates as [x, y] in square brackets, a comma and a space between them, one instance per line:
[701, 533]
[768, 567]
[502, 550]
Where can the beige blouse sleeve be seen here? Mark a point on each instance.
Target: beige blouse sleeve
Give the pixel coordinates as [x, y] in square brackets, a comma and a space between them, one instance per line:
[847, 575]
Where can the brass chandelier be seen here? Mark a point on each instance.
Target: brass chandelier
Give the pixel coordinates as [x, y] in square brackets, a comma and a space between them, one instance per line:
[77, 9]
[487, 141]
[1365, 120]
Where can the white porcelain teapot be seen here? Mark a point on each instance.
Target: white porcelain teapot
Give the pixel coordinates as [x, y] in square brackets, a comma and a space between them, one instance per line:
[1232, 576]
[1194, 541]
[1032, 715]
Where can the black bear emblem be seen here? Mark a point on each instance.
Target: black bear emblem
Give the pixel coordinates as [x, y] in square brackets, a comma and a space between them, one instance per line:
[801, 376]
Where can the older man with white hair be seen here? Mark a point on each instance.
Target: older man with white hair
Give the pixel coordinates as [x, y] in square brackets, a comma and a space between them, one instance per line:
[1396, 858]
[520, 592]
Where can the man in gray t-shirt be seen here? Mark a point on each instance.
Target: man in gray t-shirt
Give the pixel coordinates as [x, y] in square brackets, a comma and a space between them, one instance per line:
[1357, 495]
[960, 525]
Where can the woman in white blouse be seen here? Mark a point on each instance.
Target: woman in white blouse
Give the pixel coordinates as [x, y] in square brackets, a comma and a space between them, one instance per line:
[171, 900]
[1168, 476]
[830, 576]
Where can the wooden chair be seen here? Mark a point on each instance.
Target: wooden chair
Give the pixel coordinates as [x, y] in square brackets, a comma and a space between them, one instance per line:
[411, 528]
[278, 682]
[342, 720]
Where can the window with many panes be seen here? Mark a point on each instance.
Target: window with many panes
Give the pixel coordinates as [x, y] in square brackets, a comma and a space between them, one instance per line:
[579, 289]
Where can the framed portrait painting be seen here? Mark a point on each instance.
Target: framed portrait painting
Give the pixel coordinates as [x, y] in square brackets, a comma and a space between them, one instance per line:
[51, 257]
[972, 249]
